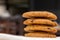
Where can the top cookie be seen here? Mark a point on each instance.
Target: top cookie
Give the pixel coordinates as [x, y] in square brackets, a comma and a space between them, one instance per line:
[40, 14]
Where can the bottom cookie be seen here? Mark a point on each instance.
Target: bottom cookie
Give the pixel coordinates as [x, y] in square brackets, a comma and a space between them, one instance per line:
[41, 34]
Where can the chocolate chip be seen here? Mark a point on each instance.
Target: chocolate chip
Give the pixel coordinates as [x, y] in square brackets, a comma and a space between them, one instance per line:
[48, 28]
[31, 20]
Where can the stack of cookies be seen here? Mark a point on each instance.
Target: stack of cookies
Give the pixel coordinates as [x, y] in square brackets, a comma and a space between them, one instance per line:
[40, 24]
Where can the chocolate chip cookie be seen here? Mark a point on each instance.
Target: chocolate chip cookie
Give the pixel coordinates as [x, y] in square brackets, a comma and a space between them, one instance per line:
[32, 28]
[40, 14]
[40, 34]
[39, 21]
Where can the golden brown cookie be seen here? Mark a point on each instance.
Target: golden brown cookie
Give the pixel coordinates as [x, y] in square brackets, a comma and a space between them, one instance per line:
[39, 21]
[43, 14]
[41, 34]
[32, 28]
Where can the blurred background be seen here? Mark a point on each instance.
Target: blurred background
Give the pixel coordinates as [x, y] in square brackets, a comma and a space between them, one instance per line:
[11, 11]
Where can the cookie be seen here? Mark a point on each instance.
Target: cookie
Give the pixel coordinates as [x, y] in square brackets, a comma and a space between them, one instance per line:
[43, 14]
[39, 21]
[40, 34]
[32, 28]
